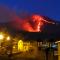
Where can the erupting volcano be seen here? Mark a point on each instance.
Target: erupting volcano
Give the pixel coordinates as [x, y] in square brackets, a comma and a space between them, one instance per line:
[31, 23]
[34, 23]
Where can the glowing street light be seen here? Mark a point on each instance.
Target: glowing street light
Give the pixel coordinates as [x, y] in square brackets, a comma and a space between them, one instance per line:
[1, 36]
[8, 38]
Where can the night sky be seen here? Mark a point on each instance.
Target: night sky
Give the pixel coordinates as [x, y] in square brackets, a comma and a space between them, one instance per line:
[50, 8]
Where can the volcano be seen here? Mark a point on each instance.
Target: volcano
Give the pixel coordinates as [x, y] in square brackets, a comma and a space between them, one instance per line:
[34, 23]
[34, 27]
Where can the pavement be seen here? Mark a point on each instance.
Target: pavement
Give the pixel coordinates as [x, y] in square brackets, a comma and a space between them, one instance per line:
[15, 57]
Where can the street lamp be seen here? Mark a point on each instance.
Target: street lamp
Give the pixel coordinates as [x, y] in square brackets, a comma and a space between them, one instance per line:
[1, 39]
[1, 36]
[8, 38]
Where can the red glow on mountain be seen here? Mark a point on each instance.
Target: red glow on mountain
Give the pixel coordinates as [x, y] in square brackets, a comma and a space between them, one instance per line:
[34, 23]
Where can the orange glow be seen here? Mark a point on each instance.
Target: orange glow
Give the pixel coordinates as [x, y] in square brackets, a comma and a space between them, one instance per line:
[24, 21]
[34, 23]
[39, 22]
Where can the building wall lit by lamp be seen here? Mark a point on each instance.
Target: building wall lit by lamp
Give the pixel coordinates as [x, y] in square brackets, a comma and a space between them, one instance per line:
[20, 45]
[23, 46]
[26, 46]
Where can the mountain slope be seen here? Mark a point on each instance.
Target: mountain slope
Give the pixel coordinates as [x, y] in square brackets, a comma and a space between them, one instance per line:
[30, 28]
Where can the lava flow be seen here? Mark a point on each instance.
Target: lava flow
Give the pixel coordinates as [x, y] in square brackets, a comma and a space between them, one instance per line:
[39, 22]
[34, 23]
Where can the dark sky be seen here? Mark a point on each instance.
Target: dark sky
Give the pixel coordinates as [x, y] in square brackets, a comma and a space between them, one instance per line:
[50, 8]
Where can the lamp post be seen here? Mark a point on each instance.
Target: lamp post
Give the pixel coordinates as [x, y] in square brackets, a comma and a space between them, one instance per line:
[9, 47]
[1, 38]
